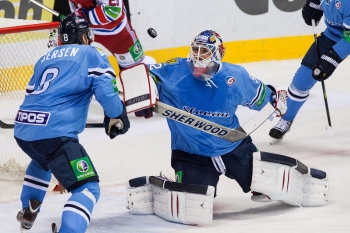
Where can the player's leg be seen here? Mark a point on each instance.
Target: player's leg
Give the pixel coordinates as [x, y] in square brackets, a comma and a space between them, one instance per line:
[73, 168]
[298, 90]
[36, 182]
[125, 46]
[194, 169]
[239, 164]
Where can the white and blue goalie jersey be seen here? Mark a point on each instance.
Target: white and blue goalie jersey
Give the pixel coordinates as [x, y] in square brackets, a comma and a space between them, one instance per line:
[216, 101]
[60, 90]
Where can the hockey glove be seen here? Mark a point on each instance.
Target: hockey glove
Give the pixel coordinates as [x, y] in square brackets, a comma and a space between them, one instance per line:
[312, 10]
[146, 113]
[279, 100]
[326, 65]
[116, 126]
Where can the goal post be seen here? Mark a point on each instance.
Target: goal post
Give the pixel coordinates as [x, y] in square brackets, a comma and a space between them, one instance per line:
[22, 43]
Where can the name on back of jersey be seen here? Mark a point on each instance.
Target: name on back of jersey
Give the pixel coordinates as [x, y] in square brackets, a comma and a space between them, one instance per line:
[59, 52]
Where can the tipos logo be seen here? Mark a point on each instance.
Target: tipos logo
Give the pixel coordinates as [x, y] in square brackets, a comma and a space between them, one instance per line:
[82, 166]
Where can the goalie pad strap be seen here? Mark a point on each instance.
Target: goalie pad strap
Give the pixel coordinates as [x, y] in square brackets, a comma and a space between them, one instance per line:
[276, 158]
[174, 186]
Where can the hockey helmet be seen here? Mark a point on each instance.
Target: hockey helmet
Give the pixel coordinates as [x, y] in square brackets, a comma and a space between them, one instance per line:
[206, 53]
[72, 28]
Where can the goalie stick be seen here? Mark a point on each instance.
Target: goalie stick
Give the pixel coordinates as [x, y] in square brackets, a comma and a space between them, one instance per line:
[212, 128]
[4, 125]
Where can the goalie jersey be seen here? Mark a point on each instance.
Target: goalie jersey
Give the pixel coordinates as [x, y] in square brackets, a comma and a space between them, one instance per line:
[216, 100]
[60, 90]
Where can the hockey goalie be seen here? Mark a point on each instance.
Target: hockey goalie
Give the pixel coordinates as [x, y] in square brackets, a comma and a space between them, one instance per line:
[205, 87]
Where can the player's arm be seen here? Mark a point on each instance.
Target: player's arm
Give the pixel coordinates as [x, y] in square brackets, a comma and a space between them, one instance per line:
[255, 94]
[330, 60]
[106, 92]
[102, 14]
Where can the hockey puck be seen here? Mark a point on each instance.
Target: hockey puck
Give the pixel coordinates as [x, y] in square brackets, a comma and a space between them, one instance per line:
[152, 33]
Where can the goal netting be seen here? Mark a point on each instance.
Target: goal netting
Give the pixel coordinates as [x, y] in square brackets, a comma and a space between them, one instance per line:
[22, 43]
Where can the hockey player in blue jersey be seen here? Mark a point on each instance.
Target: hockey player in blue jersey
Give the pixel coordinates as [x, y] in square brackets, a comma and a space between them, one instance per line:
[333, 46]
[52, 115]
[204, 86]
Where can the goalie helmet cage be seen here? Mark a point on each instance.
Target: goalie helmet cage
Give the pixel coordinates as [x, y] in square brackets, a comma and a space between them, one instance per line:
[22, 43]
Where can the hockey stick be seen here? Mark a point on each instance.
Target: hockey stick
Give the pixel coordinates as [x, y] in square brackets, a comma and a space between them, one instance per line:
[4, 125]
[55, 13]
[329, 126]
[212, 128]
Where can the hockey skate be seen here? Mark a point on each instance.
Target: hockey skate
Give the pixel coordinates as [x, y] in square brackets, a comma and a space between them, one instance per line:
[280, 129]
[27, 216]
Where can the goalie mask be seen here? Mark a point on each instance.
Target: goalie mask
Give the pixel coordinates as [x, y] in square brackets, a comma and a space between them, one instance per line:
[72, 28]
[206, 54]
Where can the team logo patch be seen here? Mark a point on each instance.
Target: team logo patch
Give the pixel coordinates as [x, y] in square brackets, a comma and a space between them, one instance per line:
[114, 85]
[230, 80]
[173, 61]
[32, 117]
[82, 168]
[137, 48]
[337, 4]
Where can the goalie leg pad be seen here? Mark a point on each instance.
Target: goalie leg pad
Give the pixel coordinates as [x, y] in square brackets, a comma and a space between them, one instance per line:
[316, 188]
[139, 196]
[184, 207]
[279, 182]
[285, 179]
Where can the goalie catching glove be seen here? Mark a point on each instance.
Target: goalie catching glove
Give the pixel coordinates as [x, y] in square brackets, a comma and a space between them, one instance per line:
[118, 125]
[279, 100]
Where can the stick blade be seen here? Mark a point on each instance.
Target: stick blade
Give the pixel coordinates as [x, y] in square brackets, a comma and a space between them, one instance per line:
[329, 131]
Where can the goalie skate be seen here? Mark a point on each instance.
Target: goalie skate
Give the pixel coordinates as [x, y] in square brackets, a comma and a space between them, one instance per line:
[27, 216]
[281, 128]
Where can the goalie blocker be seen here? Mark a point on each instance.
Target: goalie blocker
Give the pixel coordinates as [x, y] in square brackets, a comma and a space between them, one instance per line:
[172, 201]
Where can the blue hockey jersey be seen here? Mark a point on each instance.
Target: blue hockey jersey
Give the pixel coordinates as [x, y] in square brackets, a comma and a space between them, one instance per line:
[337, 19]
[60, 90]
[215, 100]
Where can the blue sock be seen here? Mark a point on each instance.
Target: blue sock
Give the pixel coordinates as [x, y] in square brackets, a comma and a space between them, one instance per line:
[298, 91]
[78, 209]
[36, 183]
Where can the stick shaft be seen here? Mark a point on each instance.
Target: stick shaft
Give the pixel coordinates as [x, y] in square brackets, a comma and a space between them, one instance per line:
[322, 82]
[55, 13]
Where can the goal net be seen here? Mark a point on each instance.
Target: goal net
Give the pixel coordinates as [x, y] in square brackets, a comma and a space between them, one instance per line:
[22, 43]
